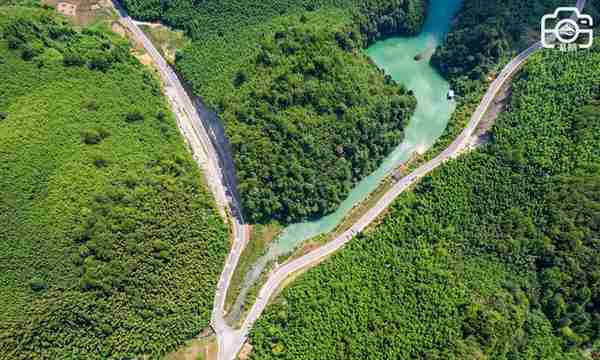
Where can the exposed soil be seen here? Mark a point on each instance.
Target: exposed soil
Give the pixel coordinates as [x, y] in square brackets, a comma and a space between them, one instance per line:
[117, 28]
[145, 59]
[482, 135]
[197, 349]
[309, 247]
[67, 8]
[245, 352]
[498, 106]
[83, 12]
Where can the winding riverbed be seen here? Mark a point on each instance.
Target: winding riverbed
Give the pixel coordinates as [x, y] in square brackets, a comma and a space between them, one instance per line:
[397, 57]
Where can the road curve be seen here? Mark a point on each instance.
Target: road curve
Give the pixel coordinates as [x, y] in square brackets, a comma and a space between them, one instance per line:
[210, 150]
[315, 256]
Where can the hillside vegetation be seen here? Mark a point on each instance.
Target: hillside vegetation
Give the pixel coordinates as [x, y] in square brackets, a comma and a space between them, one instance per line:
[216, 17]
[487, 32]
[110, 244]
[307, 114]
[300, 145]
[492, 256]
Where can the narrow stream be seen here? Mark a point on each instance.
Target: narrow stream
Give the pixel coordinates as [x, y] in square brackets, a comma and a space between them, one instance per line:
[397, 57]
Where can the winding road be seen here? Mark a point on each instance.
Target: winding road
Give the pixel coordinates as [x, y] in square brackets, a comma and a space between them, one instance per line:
[212, 154]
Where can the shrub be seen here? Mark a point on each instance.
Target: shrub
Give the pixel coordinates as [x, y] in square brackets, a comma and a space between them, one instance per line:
[28, 52]
[94, 136]
[92, 105]
[100, 62]
[73, 59]
[91, 137]
[14, 42]
[84, 251]
[134, 116]
[38, 284]
[240, 79]
[100, 162]
[164, 255]
[159, 245]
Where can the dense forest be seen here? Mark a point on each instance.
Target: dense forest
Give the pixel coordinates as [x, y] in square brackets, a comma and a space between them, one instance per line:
[300, 145]
[307, 113]
[110, 244]
[487, 32]
[492, 256]
[376, 18]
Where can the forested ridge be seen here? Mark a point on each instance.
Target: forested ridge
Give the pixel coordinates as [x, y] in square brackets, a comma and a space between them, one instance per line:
[110, 244]
[488, 32]
[300, 141]
[492, 256]
[307, 113]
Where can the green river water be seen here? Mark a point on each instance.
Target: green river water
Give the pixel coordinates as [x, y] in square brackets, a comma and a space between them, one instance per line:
[396, 57]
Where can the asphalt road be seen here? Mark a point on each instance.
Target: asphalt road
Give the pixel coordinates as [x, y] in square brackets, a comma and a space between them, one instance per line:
[210, 148]
[276, 278]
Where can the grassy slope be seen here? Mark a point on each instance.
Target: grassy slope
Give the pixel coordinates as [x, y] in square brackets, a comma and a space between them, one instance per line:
[89, 222]
[454, 270]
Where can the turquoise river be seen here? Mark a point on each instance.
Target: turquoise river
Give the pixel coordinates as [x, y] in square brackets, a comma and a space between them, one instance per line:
[396, 56]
